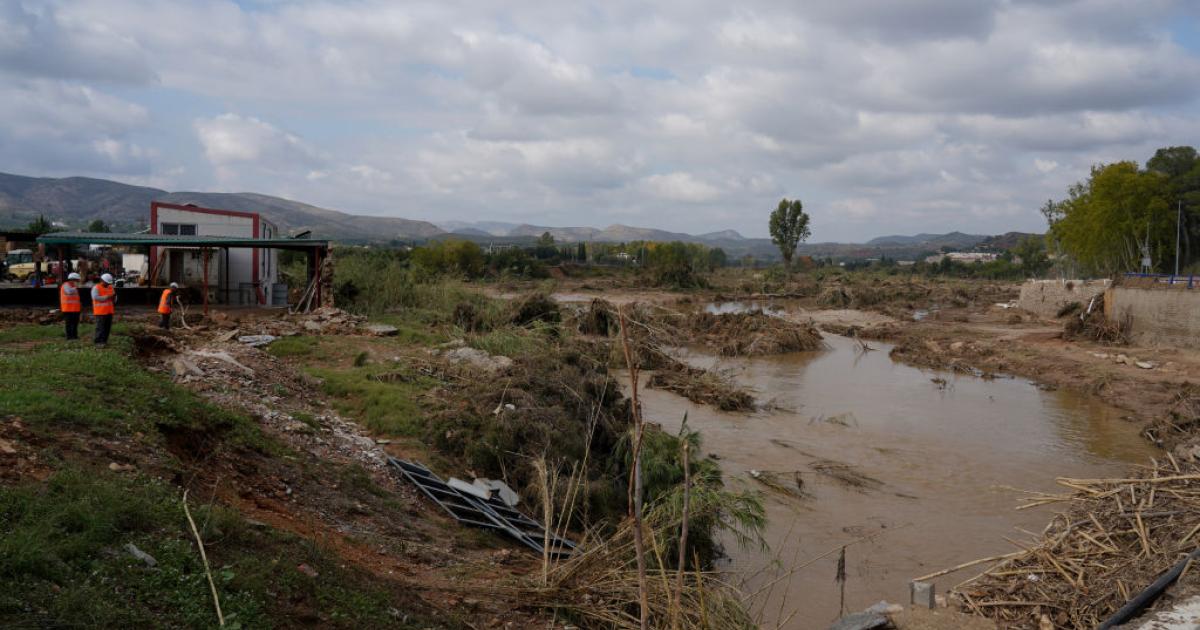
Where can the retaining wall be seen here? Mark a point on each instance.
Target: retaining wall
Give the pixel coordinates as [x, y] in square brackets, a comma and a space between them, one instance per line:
[1046, 297]
[1162, 316]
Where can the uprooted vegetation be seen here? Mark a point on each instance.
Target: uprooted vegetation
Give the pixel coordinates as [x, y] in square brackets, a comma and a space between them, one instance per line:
[1114, 537]
[655, 331]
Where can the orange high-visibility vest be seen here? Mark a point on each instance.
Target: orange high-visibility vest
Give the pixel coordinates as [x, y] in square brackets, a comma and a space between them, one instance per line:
[104, 307]
[164, 303]
[68, 298]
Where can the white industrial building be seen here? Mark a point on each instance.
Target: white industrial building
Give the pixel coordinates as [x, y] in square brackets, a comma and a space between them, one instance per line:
[245, 276]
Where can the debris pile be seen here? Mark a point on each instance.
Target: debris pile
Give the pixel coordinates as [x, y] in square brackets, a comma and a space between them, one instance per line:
[751, 334]
[1114, 539]
[707, 387]
[285, 401]
[1092, 324]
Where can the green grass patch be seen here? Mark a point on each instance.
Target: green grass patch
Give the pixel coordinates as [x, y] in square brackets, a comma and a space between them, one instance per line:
[105, 391]
[297, 346]
[510, 341]
[63, 563]
[381, 397]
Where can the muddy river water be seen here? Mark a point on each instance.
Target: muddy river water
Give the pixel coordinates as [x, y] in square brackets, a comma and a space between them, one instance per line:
[947, 454]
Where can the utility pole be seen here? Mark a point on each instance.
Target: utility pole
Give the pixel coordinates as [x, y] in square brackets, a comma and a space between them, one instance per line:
[1178, 223]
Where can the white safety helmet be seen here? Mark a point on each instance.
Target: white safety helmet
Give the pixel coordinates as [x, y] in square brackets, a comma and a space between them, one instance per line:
[72, 276]
[107, 278]
[174, 286]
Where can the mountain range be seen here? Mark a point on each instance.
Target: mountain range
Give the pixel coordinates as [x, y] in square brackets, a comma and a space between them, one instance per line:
[76, 201]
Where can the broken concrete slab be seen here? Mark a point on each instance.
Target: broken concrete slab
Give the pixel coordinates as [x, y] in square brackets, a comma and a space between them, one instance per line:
[381, 330]
[921, 594]
[255, 341]
[862, 621]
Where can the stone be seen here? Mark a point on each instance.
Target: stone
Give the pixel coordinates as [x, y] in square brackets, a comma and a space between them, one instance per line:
[312, 326]
[115, 467]
[885, 608]
[182, 367]
[1122, 359]
[381, 330]
[307, 570]
[921, 594]
[957, 346]
[861, 621]
[255, 341]
[7, 448]
[1145, 365]
[141, 555]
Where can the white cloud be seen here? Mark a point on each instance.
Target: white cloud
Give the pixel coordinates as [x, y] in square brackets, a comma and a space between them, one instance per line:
[680, 187]
[919, 116]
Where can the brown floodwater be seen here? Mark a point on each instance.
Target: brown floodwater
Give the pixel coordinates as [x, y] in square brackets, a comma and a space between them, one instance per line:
[948, 455]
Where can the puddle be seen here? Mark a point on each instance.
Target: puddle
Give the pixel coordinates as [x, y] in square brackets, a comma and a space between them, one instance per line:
[726, 308]
[944, 451]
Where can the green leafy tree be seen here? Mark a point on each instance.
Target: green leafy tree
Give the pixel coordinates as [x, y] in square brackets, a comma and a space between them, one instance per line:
[1108, 219]
[1032, 252]
[97, 227]
[40, 225]
[789, 227]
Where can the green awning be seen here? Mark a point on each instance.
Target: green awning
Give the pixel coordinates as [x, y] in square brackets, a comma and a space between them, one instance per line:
[168, 240]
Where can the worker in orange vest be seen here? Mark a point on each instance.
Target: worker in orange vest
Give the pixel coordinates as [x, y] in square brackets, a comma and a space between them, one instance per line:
[164, 307]
[104, 299]
[69, 304]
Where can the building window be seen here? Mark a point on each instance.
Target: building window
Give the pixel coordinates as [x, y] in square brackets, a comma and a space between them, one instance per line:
[179, 229]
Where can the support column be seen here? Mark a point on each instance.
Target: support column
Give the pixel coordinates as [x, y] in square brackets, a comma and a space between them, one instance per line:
[205, 255]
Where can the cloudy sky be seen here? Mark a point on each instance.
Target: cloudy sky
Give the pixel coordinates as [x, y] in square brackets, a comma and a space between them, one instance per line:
[884, 116]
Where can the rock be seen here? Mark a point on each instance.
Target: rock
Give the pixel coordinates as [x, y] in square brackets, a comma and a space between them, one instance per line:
[141, 555]
[1145, 365]
[115, 467]
[861, 621]
[255, 341]
[307, 570]
[479, 359]
[1122, 359]
[957, 346]
[7, 448]
[381, 330]
[312, 326]
[182, 367]
[884, 608]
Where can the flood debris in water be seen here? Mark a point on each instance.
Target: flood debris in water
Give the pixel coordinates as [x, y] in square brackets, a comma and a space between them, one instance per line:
[846, 474]
[707, 387]
[1114, 539]
[787, 484]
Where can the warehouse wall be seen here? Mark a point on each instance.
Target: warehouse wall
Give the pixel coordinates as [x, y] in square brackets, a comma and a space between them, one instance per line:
[1046, 297]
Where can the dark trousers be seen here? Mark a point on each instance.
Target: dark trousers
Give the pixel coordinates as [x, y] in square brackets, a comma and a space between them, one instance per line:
[72, 322]
[103, 327]
[164, 321]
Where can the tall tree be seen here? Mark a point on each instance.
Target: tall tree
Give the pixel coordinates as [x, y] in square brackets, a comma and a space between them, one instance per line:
[97, 227]
[789, 227]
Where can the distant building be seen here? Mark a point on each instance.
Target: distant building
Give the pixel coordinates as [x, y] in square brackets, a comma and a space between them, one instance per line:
[962, 257]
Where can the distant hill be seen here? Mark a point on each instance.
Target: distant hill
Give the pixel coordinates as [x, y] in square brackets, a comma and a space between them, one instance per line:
[76, 201]
[1004, 242]
[953, 239]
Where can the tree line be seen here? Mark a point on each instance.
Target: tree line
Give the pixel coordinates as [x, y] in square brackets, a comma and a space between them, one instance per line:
[1123, 215]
